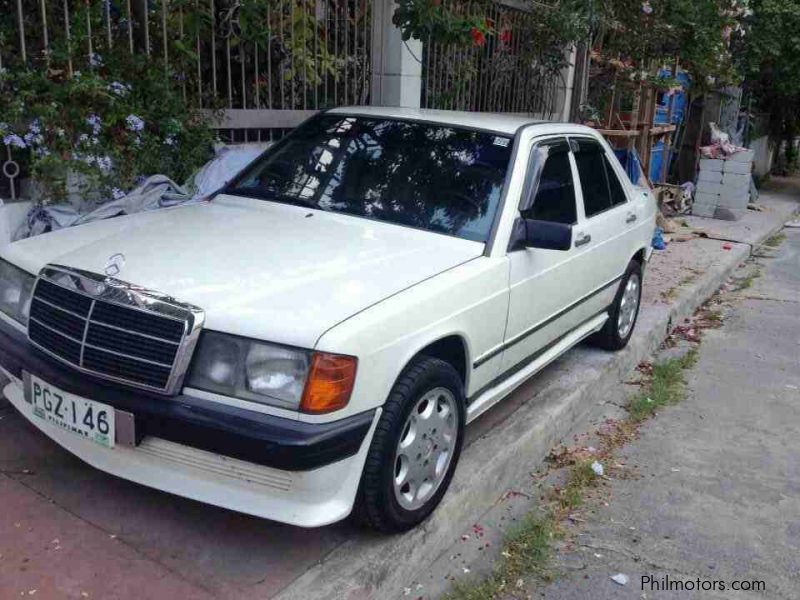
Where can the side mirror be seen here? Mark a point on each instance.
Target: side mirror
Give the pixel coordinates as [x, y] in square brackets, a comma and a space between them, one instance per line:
[530, 233]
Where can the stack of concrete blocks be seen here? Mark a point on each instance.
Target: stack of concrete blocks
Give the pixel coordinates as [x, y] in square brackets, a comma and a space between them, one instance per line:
[723, 186]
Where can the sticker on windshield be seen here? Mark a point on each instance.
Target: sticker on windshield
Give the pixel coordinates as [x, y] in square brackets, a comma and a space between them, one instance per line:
[501, 141]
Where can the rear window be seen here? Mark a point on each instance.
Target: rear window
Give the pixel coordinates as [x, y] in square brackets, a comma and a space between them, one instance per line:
[425, 175]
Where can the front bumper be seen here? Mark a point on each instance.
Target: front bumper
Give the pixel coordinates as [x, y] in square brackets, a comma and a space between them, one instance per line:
[300, 473]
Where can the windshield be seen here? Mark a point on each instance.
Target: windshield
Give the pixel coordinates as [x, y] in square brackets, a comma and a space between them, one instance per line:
[435, 177]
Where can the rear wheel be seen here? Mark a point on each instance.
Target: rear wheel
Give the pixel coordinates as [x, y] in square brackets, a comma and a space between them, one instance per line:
[617, 331]
[415, 448]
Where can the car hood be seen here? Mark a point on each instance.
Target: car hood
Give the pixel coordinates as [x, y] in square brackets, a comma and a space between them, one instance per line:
[259, 269]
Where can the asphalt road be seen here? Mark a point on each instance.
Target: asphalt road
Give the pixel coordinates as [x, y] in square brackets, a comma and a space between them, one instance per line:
[718, 492]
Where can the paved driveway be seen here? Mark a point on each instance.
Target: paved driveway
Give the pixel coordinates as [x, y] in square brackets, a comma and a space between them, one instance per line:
[67, 530]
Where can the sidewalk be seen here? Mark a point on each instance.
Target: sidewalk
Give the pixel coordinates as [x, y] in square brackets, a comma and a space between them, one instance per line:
[68, 529]
[713, 494]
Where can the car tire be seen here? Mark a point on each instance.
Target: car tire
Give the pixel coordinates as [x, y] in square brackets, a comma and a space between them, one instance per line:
[618, 329]
[415, 448]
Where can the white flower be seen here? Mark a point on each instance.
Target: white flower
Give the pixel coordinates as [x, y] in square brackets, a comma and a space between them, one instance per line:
[134, 123]
[95, 60]
[83, 138]
[33, 139]
[104, 163]
[117, 193]
[170, 140]
[77, 74]
[119, 89]
[35, 126]
[41, 152]
[60, 132]
[13, 139]
[95, 122]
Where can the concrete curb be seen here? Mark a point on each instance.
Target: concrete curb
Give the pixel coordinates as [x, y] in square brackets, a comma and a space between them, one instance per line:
[552, 404]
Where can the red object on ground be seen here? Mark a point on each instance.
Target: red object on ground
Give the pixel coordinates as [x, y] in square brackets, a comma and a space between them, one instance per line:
[505, 36]
[727, 246]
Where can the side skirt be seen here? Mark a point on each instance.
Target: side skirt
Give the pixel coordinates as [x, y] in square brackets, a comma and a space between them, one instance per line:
[516, 376]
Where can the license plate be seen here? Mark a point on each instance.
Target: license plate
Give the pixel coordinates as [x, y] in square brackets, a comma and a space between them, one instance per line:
[86, 418]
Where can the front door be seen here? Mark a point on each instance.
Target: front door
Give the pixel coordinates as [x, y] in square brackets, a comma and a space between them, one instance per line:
[544, 288]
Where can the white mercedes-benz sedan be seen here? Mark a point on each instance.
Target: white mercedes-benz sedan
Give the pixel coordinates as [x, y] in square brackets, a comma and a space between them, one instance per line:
[314, 339]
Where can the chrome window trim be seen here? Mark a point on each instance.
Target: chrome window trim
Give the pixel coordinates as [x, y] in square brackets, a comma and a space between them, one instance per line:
[115, 291]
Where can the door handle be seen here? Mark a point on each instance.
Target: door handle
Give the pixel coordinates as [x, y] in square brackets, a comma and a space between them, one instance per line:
[583, 240]
[631, 218]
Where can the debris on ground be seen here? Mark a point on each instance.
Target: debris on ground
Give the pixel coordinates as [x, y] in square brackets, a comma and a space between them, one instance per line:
[620, 578]
[598, 469]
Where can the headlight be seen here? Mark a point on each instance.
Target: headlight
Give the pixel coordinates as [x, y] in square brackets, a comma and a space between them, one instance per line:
[15, 291]
[272, 374]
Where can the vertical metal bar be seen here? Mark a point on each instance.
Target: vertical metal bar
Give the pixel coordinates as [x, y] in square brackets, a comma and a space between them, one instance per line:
[228, 69]
[164, 34]
[213, 49]
[199, 64]
[146, 28]
[45, 37]
[69, 37]
[304, 15]
[256, 90]
[335, 52]
[241, 58]
[356, 63]
[326, 17]
[316, 55]
[294, 47]
[367, 51]
[346, 6]
[280, 70]
[130, 25]
[21, 25]
[269, 60]
[89, 27]
[108, 23]
[180, 34]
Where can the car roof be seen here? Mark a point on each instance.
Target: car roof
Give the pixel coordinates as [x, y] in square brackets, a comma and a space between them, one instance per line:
[500, 123]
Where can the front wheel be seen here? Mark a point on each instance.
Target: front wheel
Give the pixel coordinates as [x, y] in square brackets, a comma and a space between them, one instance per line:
[415, 448]
[622, 315]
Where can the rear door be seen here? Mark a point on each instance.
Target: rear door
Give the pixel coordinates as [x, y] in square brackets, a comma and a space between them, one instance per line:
[603, 236]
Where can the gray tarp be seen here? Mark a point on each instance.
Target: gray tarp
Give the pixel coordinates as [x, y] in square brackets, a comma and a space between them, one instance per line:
[156, 191]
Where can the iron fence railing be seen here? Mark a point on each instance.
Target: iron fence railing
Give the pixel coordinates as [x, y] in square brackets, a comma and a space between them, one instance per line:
[229, 54]
[263, 66]
[498, 76]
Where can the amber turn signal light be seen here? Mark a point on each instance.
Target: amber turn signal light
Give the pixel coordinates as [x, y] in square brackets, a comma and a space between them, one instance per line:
[330, 383]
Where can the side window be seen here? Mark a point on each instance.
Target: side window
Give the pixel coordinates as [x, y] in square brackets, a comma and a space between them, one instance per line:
[555, 195]
[617, 191]
[594, 179]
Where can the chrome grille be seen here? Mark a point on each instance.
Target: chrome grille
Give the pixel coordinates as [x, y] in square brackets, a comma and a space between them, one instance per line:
[112, 329]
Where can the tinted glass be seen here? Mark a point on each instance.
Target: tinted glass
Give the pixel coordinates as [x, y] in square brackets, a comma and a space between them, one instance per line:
[440, 178]
[555, 195]
[617, 192]
[592, 172]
